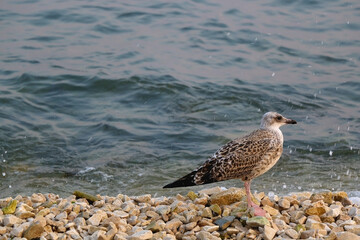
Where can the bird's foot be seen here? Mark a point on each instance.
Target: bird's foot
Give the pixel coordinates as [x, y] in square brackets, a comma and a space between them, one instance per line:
[258, 211]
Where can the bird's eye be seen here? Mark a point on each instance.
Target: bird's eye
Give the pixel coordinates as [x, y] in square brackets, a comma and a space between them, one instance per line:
[279, 118]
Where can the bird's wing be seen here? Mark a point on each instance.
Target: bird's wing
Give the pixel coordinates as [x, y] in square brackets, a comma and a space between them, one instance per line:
[236, 159]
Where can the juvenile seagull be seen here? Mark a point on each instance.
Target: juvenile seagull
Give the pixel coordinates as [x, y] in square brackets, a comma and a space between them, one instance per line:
[243, 158]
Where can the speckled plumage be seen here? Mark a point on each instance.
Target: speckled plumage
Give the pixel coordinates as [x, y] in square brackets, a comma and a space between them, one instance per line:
[242, 158]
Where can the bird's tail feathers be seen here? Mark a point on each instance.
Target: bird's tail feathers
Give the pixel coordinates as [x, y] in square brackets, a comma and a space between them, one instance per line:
[198, 177]
[188, 180]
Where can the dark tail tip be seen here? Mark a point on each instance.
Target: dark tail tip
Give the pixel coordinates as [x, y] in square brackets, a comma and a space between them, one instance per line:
[185, 181]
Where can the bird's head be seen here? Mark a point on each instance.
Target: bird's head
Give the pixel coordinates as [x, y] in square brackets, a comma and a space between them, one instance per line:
[274, 120]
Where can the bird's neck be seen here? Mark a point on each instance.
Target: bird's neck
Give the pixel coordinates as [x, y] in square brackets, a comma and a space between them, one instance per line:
[277, 131]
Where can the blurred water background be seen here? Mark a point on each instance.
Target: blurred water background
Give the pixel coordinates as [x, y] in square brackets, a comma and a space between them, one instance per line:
[126, 96]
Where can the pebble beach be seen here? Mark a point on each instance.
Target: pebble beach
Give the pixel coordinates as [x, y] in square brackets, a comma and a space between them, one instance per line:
[213, 213]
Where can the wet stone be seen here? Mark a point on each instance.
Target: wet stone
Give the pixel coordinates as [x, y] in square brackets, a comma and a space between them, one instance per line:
[224, 222]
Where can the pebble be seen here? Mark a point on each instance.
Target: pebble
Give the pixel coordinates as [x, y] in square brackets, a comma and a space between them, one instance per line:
[162, 209]
[228, 197]
[257, 221]
[292, 233]
[210, 191]
[353, 228]
[308, 234]
[210, 228]
[94, 220]
[206, 212]
[284, 203]
[203, 235]
[213, 213]
[11, 220]
[347, 236]
[224, 222]
[272, 211]
[334, 212]
[269, 232]
[173, 224]
[61, 216]
[315, 211]
[2, 230]
[141, 235]
[34, 230]
[353, 211]
[348, 222]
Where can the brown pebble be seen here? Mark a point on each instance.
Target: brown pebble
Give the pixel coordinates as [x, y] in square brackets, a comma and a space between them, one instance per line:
[35, 230]
[266, 201]
[284, 203]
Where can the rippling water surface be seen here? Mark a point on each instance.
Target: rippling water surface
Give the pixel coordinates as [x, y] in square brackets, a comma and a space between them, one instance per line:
[126, 96]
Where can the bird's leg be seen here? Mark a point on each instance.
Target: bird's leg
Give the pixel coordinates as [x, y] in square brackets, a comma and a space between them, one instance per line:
[257, 210]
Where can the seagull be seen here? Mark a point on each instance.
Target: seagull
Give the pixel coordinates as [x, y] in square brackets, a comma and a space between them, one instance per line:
[243, 158]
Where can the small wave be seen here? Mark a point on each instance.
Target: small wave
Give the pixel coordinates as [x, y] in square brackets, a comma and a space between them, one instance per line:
[86, 170]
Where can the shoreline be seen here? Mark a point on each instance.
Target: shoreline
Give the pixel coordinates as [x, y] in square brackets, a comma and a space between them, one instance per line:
[212, 213]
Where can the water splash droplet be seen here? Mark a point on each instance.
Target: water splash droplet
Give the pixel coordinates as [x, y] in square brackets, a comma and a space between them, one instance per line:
[330, 153]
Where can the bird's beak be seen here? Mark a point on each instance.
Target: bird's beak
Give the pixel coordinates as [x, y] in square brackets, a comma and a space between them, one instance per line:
[290, 121]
